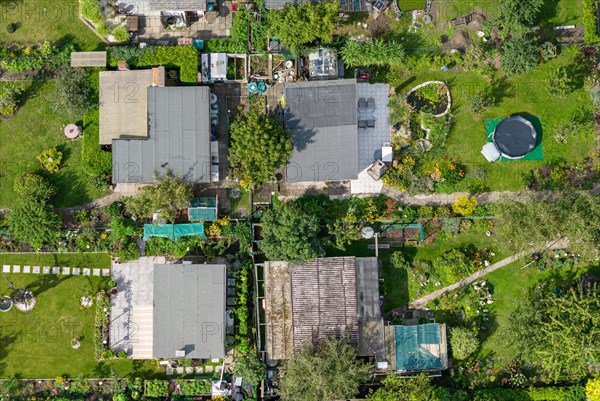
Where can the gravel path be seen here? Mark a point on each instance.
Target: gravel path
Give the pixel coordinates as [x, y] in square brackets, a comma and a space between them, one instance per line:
[418, 303]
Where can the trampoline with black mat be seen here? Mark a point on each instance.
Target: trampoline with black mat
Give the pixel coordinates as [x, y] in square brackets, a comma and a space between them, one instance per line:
[513, 138]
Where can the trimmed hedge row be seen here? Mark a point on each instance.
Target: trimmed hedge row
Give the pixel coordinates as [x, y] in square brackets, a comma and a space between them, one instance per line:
[573, 393]
[95, 161]
[590, 27]
[184, 57]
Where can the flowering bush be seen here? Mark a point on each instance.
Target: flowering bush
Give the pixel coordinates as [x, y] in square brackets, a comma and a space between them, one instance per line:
[51, 159]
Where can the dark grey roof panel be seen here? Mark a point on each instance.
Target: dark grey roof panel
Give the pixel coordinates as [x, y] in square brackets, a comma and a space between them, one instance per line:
[178, 140]
[322, 120]
[367, 283]
[189, 311]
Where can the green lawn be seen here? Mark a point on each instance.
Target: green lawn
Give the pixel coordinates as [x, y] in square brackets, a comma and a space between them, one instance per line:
[35, 128]
[37, 344]
[52, 20]
[525, 93]
[91, 260]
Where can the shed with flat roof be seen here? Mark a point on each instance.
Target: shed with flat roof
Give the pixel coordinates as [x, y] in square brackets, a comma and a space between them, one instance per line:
[124, 102]
[189, 311]
[178, 140]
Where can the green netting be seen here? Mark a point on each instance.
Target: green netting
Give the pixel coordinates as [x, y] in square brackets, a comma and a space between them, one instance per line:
[410, 351]
[409, 5]
[203, 209]
[535, 154]
[173, 231]
[403, 226]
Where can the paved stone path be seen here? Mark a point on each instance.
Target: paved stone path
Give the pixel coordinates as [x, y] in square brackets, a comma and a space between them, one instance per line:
[55, 270]
[418, 303]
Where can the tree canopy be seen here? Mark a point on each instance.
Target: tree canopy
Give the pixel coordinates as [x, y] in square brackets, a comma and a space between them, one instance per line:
[517, 15]
[327, 373]
[290, 234]
[252, 369]
[33, 222]
[305, 23]
[463, 342]
[167, 196]
[530, 223]
[558, 330]
[259, 146]
[72, 92]
[519, 56]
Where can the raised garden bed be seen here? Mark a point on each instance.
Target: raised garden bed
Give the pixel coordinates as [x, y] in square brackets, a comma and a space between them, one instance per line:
[431, 97]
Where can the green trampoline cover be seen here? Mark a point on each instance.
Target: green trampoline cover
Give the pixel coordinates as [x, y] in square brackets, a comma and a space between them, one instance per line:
[173, 231]
[411, 353]
[203, 209]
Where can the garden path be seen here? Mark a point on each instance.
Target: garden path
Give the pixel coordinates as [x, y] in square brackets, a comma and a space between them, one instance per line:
[418, 303]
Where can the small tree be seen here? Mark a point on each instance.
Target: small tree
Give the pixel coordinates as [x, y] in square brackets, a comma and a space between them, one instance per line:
[252, 369]
[517, 15]
[464, 206]
[592, 389]
[167, 197]
[329, 372]
[72, 92]
[33, 222]
[560, 81]
[290, 234]
[259, 146]
[482, 100]
[463, 342]
[34, 186]
[519, 56]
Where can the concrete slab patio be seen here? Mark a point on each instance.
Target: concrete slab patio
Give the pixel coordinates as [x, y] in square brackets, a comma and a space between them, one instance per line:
[132, 307]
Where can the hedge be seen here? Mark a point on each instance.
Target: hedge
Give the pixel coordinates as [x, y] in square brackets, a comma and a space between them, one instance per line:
[573, 393]
[184, 57]
[224, 45]
[95, 161]
[590, 27]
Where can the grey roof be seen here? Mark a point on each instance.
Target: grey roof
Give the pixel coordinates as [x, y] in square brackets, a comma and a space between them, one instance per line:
[177, 5]
[322, 119]
[123, 104]
[189, 311]
[370, 140]
[367, 282]
[179, 138]
[88, 59]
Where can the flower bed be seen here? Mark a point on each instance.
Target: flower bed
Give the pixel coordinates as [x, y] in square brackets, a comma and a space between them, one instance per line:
[44, 58]
[194, 387]
[102, 325]
[156, 388]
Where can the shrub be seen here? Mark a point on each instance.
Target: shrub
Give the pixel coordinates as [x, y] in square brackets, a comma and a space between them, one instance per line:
[120, 34]
[519, 56]
[399, 261]
[464, 206]
[72, 92]
[560, 81]
[156, 388]
[588, 18]
[9, 99]
[11, 28]
[95, 161]
[195, 387]
[378, 52]
[51, 159]
[122, 354]
[548, 51]
[92, 10]
[482, 100]
[34, 186]
[463, 342]
[44, 57]
[592, 389]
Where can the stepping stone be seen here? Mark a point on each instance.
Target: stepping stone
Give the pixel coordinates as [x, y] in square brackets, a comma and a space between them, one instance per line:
[6, 269]
[86, 271]
[179, 370]
[215, 360]
[169, 371]
[66, 271]
[36, 270]
[199, 369]
[55, 270]
[208, 369]
[26, 269]
[105, 272]
[218, 368]
[189, 370]
[95, 272]
[76, 271]
[16, 269]
[46, 269]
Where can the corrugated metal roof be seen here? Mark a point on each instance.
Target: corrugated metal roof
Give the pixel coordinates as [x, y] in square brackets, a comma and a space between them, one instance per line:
[177, 5]
[322, 119]
[179, 138]
[88, 59]
[189, 311]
